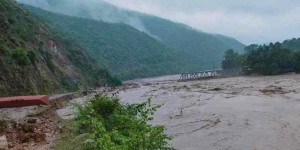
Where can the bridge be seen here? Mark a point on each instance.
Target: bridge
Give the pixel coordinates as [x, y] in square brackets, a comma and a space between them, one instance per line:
[216, 73]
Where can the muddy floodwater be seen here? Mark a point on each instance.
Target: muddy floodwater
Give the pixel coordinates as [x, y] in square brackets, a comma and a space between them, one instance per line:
[241, 113]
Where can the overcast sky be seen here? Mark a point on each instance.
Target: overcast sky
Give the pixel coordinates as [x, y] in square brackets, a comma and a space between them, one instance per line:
[250, 21]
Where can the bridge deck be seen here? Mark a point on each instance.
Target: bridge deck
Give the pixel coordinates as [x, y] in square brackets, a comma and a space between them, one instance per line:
[209, 74]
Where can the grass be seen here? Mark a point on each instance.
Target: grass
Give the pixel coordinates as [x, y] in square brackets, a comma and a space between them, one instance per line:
[67, 140]
[38, 112]
[3, 126]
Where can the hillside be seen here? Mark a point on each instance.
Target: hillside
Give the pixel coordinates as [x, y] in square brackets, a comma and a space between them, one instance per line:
[199, 48]
[208, 48]
[125, 51]
[34, 59]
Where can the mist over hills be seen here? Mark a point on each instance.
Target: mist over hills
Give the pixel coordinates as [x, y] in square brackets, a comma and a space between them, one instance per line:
[125, 51]
[206, 50]
[92, 9]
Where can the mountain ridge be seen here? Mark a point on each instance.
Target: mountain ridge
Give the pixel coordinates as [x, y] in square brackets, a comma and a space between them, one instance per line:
[125, 51]
[208, 47]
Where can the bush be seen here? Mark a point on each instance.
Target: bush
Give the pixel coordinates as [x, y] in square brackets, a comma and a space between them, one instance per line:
[296, 59]
[20, 56]
[3, 126]
[32, 57]
[68, 84]
[113, 126]
[114, 81]
[4, 50]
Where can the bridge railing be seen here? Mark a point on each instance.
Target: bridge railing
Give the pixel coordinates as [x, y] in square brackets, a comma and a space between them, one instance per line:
[210, 74]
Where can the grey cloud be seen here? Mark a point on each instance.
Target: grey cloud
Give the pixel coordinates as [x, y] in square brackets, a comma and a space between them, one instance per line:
[250, 21]
[95, 9]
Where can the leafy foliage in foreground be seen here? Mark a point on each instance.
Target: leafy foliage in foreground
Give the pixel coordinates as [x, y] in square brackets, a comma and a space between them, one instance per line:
[113, 126]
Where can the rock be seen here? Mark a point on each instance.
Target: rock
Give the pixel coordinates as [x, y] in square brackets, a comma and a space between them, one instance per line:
[11, 145]
[24, 137]
[31, 120]
[28, 128]
[88, 141]
[3, 143]
[39, 137]
[25, 145]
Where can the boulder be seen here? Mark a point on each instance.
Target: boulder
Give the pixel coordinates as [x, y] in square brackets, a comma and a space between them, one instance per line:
[31, 120]
[3, 143]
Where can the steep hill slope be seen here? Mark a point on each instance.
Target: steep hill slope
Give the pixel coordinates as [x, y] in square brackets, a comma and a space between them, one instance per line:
[34, 59]
[203, 49]
[127, 52]
[208, 48]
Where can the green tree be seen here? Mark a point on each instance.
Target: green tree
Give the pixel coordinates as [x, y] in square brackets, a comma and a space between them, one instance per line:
[269, 59]
[231, 60]
[113, 126]
[296, 62]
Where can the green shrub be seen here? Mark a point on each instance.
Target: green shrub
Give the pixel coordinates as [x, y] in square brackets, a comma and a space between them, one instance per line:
[32, 57]
[114, 126]
[114, 81]
[11, 20]
[296, 59]
[3, 126]
[48, 58]
[4, 50]
[20, 56]
[68, 84]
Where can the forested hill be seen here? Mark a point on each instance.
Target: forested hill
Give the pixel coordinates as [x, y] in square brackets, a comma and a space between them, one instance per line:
[208, 48]
[34, 59]
[272, 59]
[202, 49]
[127, 52]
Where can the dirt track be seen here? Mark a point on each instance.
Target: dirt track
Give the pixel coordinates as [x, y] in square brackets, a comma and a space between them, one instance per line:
[243, 113]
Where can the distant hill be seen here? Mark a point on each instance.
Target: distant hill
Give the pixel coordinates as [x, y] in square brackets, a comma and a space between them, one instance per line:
[198, 48]
[35, 59]
[208, 48]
